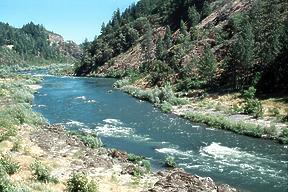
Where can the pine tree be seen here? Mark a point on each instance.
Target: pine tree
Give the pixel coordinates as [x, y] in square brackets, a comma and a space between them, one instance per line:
[241, 55]
[183, 37]
[147, 45]
[267, 29]
[207, 65]
[160, 50]
[193, 16]
[168, 42]
[206, 9]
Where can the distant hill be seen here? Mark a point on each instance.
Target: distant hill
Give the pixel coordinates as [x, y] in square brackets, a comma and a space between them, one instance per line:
[34, 43]
[213, 44]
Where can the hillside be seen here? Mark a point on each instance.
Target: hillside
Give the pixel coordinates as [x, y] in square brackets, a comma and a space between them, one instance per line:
[34, 44]
[216, 44]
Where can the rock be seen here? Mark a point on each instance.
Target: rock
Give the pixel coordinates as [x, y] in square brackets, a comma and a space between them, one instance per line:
[225, 188]
[178, 180]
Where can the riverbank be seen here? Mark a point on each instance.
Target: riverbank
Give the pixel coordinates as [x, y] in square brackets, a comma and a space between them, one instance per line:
[223, 111]
[36, 156]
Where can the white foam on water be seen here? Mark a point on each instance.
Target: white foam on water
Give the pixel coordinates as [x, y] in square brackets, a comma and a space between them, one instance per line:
[91, 101]
[41, 106]
[113, 121]
[113, 131]
[81, 97]
[239, 162]
[75, 123]
[173, 151]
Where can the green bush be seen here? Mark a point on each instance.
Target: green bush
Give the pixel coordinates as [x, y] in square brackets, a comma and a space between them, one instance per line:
[284, 136]
[78, 182]
[23, 114]
[170, 162]
[9, 166]
[141, 162]
[41, 173]
[166, 107]
[121, 83]
[252, 106]
[89, 140]
[5, 184]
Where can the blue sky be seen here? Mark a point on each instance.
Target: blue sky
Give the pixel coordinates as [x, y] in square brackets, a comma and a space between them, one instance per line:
[73, 19]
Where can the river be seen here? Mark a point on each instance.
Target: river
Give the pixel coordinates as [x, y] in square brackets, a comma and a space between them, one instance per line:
[125, 123]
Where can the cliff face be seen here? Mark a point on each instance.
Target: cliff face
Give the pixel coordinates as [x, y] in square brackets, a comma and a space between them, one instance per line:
[65, 47]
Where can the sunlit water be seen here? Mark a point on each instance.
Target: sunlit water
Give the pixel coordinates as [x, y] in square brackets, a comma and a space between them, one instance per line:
[128, 124]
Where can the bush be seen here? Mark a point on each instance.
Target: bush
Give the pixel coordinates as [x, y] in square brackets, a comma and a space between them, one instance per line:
[23, 114]
[252, 105]
[284, 136]
[5, 184]
[141, 162]
[121, 83]
[89, 140]
[79, 182]
[166, 107]
[41, 173]
[9, 166]
[170, 162]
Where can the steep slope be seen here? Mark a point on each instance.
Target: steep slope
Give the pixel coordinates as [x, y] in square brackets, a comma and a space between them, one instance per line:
[246, 41]
[33, 43]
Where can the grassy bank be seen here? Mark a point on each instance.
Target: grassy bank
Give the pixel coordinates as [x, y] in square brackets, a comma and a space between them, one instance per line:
[35, 156]
[212, 112]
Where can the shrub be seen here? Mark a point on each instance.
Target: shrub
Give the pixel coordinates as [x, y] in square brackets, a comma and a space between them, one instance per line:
[170, 162]
[5, 184]
[141, 162]
[89, 140]
[284, 136]
[9, 166]
[166, 107]
[122, 83]
[79, 182]
[41, 173]
[252, 105]
[24, 114]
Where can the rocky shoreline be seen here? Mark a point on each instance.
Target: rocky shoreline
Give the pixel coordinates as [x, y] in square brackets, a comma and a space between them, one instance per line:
[103, 163]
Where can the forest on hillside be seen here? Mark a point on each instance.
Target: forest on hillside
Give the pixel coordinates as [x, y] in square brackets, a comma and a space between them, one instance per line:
[30, 41]
[245, 47]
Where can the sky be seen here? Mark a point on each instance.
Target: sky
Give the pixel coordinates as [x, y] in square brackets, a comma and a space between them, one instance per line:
[73, 19]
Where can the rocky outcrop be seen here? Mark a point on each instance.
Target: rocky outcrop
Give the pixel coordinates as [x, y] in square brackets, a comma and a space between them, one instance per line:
[177, 180]
[69, 48]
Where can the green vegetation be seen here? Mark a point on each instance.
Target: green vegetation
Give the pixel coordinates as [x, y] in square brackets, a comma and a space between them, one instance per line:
[17, 97]
[222, 122]
[30, 44]
[8, 166]
[41, 173]
[89, 140]
[170, 162]
[234, 57]
[141, 163]
[79, 182]
[252, 105]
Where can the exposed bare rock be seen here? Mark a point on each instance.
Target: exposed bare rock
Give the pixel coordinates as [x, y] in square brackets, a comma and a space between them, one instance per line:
[178, 180]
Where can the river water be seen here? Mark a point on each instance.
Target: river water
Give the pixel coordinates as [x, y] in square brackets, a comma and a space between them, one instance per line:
[126, 123]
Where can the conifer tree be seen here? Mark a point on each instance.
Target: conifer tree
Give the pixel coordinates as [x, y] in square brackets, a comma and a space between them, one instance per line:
[207, 65]
[193, 16]
[160, 50]
[147, 45]
[168, 42]
[206, 9]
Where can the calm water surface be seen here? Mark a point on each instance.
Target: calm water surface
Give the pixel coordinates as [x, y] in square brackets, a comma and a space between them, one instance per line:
[128, 124]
